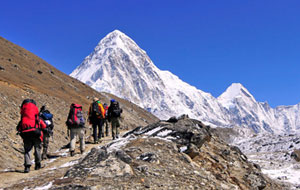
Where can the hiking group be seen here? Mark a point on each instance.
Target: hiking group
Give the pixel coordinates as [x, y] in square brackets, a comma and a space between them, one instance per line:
[36, 127]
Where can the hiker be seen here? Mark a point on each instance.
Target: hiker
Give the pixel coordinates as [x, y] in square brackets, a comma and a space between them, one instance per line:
[105, 106]
[113, 116]
[96, 118]
[75, 123]
[46, 116]
[31, 129]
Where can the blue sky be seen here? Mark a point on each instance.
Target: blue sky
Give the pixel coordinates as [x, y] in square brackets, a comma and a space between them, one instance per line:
[209, 44]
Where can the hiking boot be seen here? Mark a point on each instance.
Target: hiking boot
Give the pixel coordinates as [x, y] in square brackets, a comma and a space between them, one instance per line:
[27, 169]
[95, 142]
[37, 166]
[81, 151]
[44, 156]
[102, 134]
[106, 134]
[113, 138]
[72, 152]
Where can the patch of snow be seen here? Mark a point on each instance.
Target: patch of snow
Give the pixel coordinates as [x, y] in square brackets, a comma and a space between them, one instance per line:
[183, 148]
[286, 174]
[118, 143]
[164, 133]
[68, 164]
[151, 132]
[45, 187]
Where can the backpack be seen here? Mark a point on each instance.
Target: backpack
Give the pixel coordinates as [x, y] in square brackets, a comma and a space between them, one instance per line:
[115, 109]
[75, 118]
[47, 118]
[29, 126]
[95, 110]
[98, 110]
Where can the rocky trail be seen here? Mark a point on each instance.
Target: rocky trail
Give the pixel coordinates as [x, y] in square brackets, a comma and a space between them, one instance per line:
[176, 154]
[53, 169]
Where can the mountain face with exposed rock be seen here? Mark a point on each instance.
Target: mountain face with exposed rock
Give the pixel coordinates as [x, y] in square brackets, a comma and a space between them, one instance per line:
[119, 66]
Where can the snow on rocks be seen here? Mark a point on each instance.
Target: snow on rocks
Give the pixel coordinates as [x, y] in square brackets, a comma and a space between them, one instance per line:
[274, 153]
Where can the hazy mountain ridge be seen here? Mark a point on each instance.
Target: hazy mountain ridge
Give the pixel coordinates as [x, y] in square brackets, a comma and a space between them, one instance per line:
[117, 65]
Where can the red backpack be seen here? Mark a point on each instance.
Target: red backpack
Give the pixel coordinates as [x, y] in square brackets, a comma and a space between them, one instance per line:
[75, 117]
[30, 125]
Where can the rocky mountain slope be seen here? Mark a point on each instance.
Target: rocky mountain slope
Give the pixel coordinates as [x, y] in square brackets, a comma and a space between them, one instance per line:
[274, 153]
[177, 154]
[24, 75]
[119, 66]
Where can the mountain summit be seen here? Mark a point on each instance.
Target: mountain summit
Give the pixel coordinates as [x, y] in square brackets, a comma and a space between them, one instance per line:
[235, 91]
[119, 66]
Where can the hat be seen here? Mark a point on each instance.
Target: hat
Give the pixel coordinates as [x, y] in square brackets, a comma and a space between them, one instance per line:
[112, 100]
[43, 108]
[95, 99]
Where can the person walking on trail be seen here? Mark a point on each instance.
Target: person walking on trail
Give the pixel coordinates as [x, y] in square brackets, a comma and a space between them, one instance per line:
[105, 106]
[96, 118]
[113, 116]
[30, 128]
[46, 116]
[75, 123]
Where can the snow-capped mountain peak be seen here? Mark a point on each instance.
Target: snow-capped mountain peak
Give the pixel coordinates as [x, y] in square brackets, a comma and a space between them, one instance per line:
[119, 66]
[233, 92]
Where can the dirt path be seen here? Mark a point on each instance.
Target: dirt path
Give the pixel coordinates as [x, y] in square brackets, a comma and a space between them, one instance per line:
[52, 169]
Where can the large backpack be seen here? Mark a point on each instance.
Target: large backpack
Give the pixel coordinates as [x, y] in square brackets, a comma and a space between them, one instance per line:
[97, 110]
[115, 109]
[75, 118]
[47, 118]
[29, 126]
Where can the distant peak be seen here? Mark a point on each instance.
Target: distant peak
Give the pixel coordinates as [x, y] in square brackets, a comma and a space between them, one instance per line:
[235, 90]
[235, 87]
[116, 33]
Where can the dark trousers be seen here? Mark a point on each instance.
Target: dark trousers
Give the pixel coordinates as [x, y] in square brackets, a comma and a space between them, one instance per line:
[106, 127]
[115, 124]
[97, 124]
[29, 143]
[45, 145]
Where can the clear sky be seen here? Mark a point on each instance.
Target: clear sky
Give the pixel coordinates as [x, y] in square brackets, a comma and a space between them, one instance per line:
[207, 43]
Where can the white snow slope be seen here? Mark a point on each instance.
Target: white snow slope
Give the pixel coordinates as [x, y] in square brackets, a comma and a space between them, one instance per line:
[119, 66]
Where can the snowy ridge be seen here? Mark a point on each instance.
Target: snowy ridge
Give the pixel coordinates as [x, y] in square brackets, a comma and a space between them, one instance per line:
[119, 66]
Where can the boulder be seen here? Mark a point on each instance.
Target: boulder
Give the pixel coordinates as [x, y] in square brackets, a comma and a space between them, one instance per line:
[296, 155]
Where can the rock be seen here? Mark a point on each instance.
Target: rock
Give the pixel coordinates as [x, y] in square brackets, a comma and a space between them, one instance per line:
[184, 116]
[142, 168]
[112, 167]
[256, 180]
[172, 119]
[123, 156]
[148, 157]
[192, 151]
[71, 187]
[296, 155]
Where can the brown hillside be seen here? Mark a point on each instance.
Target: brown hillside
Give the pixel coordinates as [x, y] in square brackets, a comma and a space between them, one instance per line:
[25, 75]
